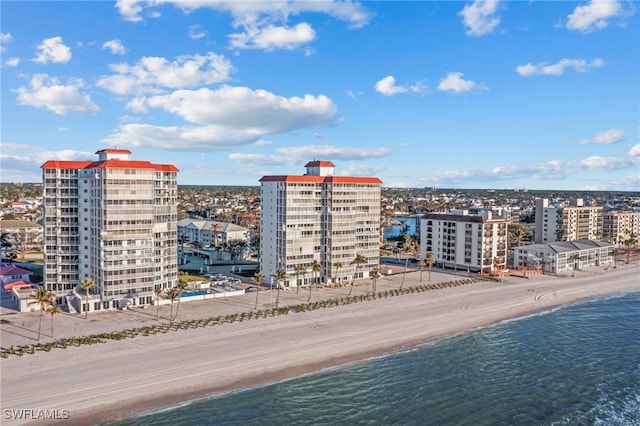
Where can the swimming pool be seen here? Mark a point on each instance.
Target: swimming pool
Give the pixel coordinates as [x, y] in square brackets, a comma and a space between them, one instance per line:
[194, 293]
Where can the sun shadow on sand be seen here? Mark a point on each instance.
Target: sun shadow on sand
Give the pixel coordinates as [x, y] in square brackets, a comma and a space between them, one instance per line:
[6, 323]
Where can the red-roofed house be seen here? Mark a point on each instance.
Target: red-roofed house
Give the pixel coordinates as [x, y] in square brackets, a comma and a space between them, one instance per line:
[319, 217]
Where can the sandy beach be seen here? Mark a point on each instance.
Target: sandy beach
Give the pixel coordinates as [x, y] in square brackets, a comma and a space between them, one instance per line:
[120, 379]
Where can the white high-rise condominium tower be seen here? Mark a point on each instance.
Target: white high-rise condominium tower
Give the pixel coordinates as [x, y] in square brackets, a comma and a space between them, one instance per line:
[319, 217]
[113, 220]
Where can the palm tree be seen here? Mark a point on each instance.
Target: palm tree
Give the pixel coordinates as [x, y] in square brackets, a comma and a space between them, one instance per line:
[181, 287]
[518, 232]
[280, 276]
[297, 269]
[87, 284]
[215, 229]
[615, 253]
[628, 243]
[357, 261]
[430, 262]
[158, 292]
[403, 227]
[407, 249]
[181, 240]
[53, 310]
[316, 267]
[43, 298]
[574, 257]
[374, 276]
[562, 234]
[543, 263]
[336, 265]
[172, 295]
[421, 264]
[258, 279]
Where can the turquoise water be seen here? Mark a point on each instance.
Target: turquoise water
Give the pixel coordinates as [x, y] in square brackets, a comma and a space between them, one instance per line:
[579, 365]
[193, 293]
[395, 230]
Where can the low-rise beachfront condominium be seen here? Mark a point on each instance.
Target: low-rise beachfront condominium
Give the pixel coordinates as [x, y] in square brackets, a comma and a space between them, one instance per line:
[619, 226]
[111, 220]
[319, 217]
[462, 241]
[562, 257]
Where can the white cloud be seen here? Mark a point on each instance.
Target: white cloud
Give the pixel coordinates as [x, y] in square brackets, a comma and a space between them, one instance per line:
[240, 107]
[53, 50]
[260, 159]
[8, 146]
[306, 152]
[115, 46]
[224, 118]
[543, 68]
[295, 155]
[635, 151]
[354, 13]
[387, 86]
[266, 12]
[138, 104]
[606, 138]
[193, 138]
[273, 37]
[361, 170]
[46, 92]
[129, 10]
[550, 170]
[13, 62]
[419, 87]
[480, 17]
[151, 74]
[631, 183]
[22, 162]
[196, 32]
[5, 38]
[63, 154]
[594, 16]
[263, 24]
[455, 83]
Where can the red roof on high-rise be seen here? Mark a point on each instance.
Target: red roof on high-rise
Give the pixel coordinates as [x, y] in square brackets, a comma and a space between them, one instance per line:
[64, 164]
[114, 151]
[132, 164]
[108, 164]
[322, 179]
[319, 163]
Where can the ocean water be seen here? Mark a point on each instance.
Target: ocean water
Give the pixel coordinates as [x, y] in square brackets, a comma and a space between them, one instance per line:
[578, 365]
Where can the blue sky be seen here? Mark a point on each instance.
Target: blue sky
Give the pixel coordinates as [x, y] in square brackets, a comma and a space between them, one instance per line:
[484, 94]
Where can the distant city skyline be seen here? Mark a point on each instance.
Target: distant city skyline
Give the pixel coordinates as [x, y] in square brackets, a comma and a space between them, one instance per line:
[483, 94]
